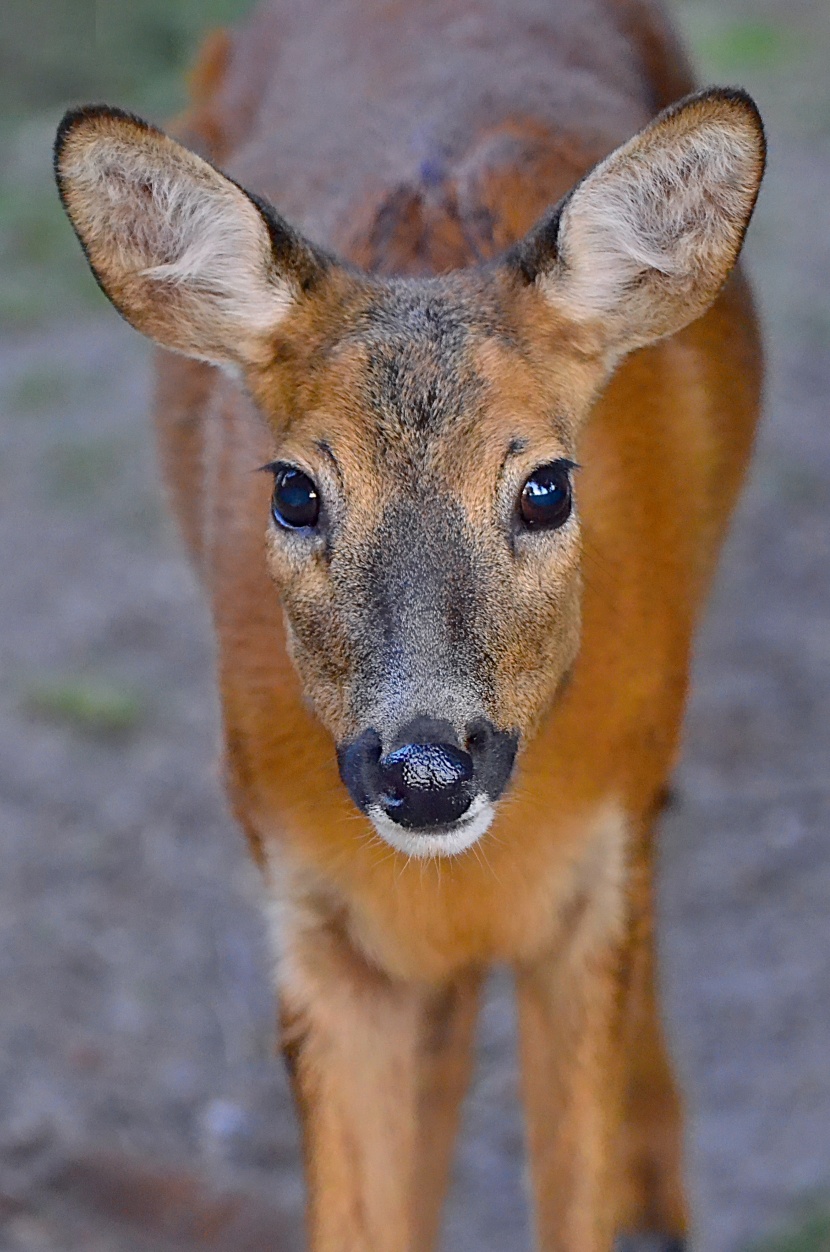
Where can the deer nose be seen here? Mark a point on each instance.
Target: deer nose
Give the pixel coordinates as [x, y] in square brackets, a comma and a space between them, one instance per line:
[427, 779]
[426, 784]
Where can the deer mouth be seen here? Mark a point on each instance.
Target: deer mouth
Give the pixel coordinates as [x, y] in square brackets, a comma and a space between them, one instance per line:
[449, 839]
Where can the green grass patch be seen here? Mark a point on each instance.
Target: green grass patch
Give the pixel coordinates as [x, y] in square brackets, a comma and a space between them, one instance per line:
[43, 270]
[82, 472]
[48, 390]
[38, 391]
[92, 706]
[812, 1235]
[56, 53]
[735, 47]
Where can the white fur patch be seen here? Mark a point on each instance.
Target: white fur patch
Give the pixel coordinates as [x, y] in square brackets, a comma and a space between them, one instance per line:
[461, 835]
[220, 249]
[601, 877]
[668, 210]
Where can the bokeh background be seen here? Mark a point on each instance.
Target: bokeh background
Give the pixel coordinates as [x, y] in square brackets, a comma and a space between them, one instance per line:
[141, 1107]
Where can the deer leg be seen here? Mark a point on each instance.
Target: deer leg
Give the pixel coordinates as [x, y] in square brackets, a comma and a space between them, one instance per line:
[446, 1060]
[375, 1074]
[654, 1201]
[570, 1050]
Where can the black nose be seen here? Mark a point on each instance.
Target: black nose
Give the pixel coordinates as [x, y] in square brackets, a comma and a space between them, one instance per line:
[427, 779]
[425, 784]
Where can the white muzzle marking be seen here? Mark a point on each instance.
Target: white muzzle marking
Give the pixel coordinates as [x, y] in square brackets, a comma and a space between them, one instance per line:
[457, 838]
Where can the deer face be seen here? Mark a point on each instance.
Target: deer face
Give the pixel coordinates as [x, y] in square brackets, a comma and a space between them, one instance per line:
[424, 529]
[425, 536]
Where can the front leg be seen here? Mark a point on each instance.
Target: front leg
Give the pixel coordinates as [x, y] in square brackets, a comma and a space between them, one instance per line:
[569, 1004]
[378, 1068]
[350, 1039]
[446, 1060]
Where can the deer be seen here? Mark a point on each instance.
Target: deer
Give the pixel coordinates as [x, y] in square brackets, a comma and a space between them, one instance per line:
[496, 361]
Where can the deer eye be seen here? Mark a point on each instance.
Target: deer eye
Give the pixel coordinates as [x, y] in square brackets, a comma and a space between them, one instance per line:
[295, 504]
[545, 501]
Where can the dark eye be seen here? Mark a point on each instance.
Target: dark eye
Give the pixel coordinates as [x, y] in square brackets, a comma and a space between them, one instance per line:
[295, 503]
[545, 502]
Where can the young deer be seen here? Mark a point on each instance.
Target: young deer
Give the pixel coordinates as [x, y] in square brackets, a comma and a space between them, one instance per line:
[454, 623]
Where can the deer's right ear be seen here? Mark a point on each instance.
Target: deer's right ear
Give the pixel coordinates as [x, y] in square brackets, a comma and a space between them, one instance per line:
[186, 255]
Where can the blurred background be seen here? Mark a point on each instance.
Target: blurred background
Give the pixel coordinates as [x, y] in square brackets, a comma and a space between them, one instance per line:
[141, 1107]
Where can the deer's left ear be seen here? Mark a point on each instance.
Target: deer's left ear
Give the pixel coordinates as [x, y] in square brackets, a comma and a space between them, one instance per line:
[645, 242]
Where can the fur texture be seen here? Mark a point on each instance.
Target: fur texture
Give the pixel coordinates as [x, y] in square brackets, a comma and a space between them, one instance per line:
[183, 252]
[417, 140]
[645, 242]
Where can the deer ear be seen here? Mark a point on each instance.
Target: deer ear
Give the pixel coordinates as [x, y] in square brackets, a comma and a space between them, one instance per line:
[186, 255]
[646, 240]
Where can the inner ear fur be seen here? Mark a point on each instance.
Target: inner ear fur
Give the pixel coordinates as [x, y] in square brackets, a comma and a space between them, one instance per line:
[185, 254]
[644, 243]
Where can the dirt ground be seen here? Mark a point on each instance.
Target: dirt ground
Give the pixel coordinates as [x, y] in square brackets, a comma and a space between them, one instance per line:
[141, 1107]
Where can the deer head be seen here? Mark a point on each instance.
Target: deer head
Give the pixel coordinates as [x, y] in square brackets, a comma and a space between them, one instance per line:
[424, 531]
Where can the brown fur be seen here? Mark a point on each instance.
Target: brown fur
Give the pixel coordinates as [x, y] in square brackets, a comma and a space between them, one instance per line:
[415, 141]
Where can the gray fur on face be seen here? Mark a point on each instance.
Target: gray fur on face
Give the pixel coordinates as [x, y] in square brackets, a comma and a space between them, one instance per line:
[420, 595]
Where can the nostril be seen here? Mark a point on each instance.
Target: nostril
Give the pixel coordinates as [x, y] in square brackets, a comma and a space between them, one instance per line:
[358, 763]
[494, 752]
[479, 736]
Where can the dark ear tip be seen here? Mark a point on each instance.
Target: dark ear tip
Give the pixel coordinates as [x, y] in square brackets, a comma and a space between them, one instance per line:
[735, 97]
[85, 113]
[740, 97]
[719, 95]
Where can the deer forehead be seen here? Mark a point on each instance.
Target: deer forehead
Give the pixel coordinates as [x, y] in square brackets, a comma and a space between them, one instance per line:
[419, 379]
